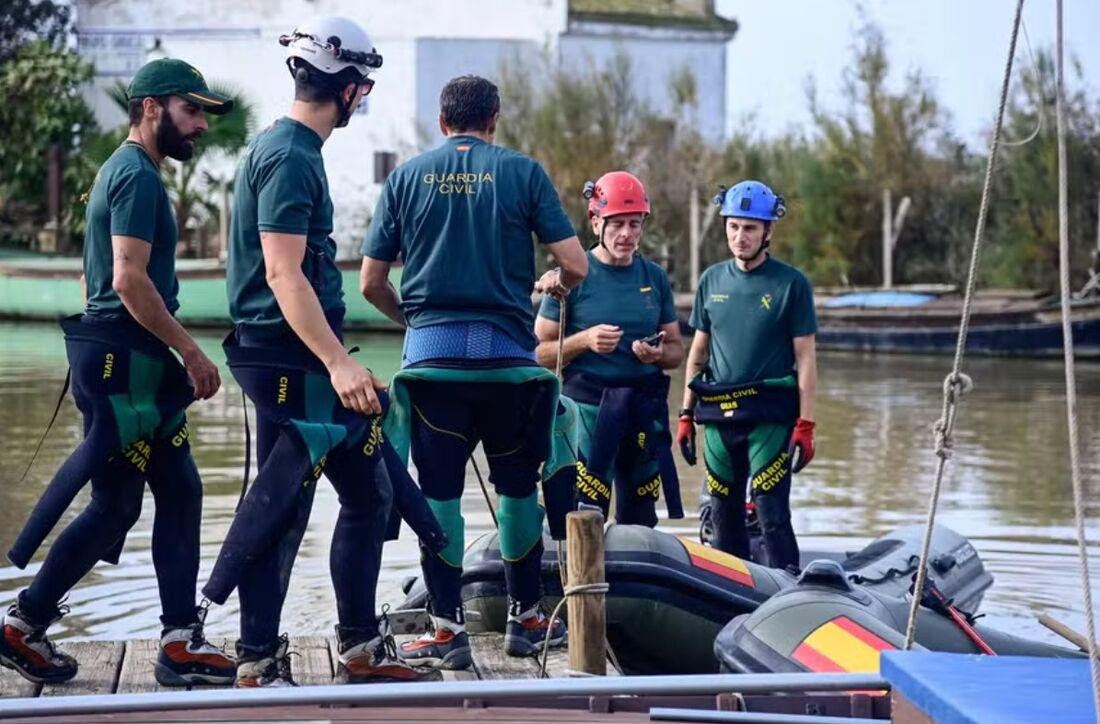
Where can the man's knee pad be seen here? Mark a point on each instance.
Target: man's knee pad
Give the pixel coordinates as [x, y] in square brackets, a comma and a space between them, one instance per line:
[449, 515]
[520, 525]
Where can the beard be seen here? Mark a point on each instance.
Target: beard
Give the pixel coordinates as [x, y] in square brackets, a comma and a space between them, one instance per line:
[171, 142]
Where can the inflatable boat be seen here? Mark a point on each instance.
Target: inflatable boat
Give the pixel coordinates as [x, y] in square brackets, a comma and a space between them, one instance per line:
[669, 597]
[825, 622]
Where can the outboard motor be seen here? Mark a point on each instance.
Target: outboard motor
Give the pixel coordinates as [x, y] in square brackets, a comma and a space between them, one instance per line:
[826, 622]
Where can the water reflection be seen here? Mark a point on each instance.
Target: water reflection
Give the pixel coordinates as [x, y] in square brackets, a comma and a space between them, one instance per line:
[1007, 486]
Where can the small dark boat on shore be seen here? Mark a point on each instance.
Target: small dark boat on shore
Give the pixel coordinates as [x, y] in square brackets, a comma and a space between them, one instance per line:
[1002, 323]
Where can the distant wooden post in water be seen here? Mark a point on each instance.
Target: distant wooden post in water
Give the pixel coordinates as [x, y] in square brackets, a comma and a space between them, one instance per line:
[587, 612]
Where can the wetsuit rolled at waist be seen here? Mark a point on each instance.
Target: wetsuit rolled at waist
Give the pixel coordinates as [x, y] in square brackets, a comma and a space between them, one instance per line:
[465, 383]
[624, 441]
[132, 393]
[747, 432]
[303, 430]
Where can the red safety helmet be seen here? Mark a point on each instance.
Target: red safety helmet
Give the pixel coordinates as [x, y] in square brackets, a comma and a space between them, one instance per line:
[616, 192]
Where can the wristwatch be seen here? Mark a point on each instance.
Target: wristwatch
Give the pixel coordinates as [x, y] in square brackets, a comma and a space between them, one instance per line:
[687, 412]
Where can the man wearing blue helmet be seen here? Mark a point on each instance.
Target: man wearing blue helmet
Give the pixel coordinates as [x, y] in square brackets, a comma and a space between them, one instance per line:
[752, 378]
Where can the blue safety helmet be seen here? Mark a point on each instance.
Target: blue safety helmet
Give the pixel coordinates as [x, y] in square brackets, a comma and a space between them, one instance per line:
[750, 200]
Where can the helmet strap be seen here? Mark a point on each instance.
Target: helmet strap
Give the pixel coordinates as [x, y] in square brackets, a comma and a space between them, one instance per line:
[763, 244]
[344, 106]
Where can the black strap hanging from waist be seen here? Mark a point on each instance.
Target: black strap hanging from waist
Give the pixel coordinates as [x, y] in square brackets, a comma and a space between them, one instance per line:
[247, 452]
[49, 426]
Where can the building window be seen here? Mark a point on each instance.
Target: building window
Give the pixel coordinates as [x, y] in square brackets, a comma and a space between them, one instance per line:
[384, 164]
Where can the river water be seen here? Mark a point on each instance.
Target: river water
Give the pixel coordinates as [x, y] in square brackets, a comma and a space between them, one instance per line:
[1007, 484]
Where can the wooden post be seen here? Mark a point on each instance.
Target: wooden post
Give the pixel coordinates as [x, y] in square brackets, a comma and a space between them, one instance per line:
[694, 239]
[587, 612]
[887, 240]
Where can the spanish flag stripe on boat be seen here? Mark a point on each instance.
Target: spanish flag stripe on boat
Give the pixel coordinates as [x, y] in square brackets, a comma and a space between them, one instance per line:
[841, 643]
[719, 563]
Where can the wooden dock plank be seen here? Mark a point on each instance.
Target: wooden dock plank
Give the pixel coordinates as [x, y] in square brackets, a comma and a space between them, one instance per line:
[493, 663]
[14, 686]
[313, 665]
[136, 674]
[100, 663]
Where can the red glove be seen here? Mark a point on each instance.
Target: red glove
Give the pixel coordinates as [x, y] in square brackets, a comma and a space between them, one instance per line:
[685, 436]
[802, 444]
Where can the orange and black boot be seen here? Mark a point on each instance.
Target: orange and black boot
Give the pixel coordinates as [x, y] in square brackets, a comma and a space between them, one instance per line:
[264, 668]
[446, 645]
[366, 659]
[25, 648]
[187, 658]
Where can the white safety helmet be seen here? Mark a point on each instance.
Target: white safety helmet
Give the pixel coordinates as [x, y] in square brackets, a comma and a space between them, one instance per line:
[331, 44]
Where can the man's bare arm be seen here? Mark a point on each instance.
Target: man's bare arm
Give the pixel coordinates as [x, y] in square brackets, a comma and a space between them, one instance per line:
[374, 283]
[130, 280]
[805, 359]
[698, 357]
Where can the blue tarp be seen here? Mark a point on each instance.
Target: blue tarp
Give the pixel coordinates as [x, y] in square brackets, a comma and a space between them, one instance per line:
[966, 688]
[880, 299]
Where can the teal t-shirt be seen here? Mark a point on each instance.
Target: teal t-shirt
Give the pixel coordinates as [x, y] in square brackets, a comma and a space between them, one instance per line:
[281, 186]
[752, 319]
[128, 199]
[636, 298]
[462, 216]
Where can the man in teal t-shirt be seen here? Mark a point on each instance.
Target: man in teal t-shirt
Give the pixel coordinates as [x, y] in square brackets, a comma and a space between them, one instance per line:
[753, 354]
[317, 409]
[621, 331]
[462, 217]
[132, 392]
[284, 191]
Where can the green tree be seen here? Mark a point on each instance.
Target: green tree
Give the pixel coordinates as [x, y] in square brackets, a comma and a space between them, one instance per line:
[1024, 211]
[884, 139]
[22, 21]
[41, 105]
[582, 124]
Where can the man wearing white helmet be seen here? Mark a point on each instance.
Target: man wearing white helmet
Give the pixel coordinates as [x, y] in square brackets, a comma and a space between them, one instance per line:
[317, 408]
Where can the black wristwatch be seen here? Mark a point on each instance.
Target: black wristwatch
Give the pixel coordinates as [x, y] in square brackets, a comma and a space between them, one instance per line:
[687, 412]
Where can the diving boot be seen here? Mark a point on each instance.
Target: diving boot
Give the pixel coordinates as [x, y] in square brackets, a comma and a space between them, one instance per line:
[25, 647]
[186, 657]
[526, 633]
[262, 669]
[365, 660]
[445, 646]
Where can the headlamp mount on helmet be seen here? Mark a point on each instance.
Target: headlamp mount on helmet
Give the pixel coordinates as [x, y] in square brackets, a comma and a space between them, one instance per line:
[329, 53]
[371, 59]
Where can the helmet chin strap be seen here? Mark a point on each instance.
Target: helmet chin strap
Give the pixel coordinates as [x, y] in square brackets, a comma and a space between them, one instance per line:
[344, 106]
[763, 247]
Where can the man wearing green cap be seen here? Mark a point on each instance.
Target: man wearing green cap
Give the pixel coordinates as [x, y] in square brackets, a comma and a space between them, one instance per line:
[132, 392]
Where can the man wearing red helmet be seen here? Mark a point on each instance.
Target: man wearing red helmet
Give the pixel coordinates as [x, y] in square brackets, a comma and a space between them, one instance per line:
[621, 333]
[752, 379]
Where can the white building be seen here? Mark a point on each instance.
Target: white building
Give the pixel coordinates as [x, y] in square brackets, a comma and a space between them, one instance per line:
[424, 43]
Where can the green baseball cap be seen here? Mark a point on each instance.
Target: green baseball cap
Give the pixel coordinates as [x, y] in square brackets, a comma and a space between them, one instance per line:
[171, 77]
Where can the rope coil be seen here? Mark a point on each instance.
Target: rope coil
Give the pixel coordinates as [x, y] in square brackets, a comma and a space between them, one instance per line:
[583, 588]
